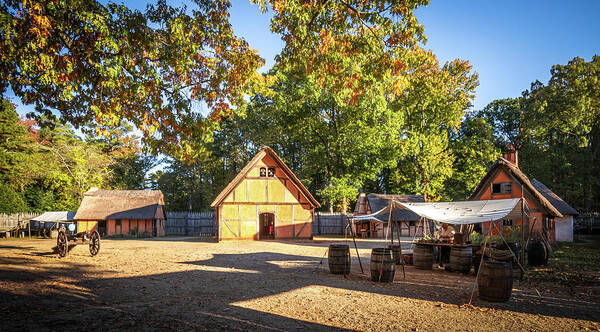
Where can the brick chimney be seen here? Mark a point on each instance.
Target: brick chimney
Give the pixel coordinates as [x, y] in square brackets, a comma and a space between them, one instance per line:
[512, 155]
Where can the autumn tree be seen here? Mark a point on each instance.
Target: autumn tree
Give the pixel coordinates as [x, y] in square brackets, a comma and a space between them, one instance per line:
[100, 63]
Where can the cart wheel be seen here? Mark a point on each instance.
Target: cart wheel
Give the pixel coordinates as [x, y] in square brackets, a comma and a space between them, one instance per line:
[62, 243]
[94, 243]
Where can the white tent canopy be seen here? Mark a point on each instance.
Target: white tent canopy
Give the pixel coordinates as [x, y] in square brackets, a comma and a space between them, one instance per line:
[55, 216]
[458, 213]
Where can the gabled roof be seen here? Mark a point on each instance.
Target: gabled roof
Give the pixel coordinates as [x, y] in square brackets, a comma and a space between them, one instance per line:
[513, 170]
[379, 201]
[242, 174]
[120, 204]
[55, 216]
[562, 206]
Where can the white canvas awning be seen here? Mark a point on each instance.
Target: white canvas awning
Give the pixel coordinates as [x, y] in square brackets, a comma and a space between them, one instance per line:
[458, 213]
[55, 216]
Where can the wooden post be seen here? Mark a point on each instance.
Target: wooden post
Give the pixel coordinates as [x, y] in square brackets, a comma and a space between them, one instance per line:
[29, 228]
[389, 222]
[318, 222]
[356, 248]
[400, 245]
[522, 254]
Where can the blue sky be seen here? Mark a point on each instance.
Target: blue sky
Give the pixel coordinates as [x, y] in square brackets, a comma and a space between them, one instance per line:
[509, 43]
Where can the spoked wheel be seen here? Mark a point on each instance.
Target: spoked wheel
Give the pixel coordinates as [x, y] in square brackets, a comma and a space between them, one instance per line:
[62, 243]
[94, 243]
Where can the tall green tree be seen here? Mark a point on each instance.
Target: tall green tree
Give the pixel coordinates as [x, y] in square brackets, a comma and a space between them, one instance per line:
[566, 138]
[431, 107]
[16, 148]
[507, 117]
[556, 127]
[474, 149]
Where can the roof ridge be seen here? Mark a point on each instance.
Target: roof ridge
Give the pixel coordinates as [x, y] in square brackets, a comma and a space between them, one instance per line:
[240, 176]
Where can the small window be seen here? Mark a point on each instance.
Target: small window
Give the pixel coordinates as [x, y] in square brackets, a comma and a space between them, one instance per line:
[507, 222]
[496, 188]
[117, 222]
[263, 172]
[271, 172]
[502, 188]
[411, 223]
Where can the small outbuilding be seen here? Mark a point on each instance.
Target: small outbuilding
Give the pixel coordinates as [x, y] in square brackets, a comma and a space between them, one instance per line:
[563, 225]
[265, 201]
[410, 223]
[114, 212]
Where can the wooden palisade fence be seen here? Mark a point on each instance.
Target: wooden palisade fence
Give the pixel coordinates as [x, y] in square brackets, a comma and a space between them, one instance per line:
[184, 223]
[204, 224]
[16, 223]
[191, 224]
[326, 223]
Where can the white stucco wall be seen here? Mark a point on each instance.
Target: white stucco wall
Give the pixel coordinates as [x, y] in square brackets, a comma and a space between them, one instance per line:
[564, 228]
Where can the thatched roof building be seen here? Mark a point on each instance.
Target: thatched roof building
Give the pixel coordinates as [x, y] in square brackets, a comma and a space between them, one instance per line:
[504, 179]
[122, 211]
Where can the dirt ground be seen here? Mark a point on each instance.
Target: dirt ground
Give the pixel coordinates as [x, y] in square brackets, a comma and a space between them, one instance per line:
[193, 284]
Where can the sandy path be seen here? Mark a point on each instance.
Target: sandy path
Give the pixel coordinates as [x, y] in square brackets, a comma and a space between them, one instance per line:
[187, 284]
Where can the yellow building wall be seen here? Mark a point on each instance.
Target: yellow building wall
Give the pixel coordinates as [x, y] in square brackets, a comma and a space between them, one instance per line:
[86, 225]
[238, 215]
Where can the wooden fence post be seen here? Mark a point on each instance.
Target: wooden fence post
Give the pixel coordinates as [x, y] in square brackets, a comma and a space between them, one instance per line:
[318, 223]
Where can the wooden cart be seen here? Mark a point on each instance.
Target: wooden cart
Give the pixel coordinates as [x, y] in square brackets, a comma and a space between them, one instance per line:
[65, 241]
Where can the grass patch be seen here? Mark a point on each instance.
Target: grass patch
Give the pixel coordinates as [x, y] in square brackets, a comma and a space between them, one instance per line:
[128, 236]
[576, 262]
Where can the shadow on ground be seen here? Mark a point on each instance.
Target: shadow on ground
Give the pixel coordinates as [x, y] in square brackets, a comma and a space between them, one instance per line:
[207, 297]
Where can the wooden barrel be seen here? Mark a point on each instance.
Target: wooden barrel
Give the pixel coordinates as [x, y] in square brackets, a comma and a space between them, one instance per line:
[383, 266]
[461, 259]
[396, 253]
[339, 259]
[537, 255]
[516, 250]
[423, 257]
[495, 281]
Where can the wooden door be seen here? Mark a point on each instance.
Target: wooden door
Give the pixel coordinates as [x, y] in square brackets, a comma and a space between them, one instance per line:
[102, 227]
[267, 226]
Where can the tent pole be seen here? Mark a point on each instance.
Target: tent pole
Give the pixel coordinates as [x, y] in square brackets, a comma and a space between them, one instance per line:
[481, 262]
[389, 222]
[400, 245]
[356, 248]
[522, 256]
